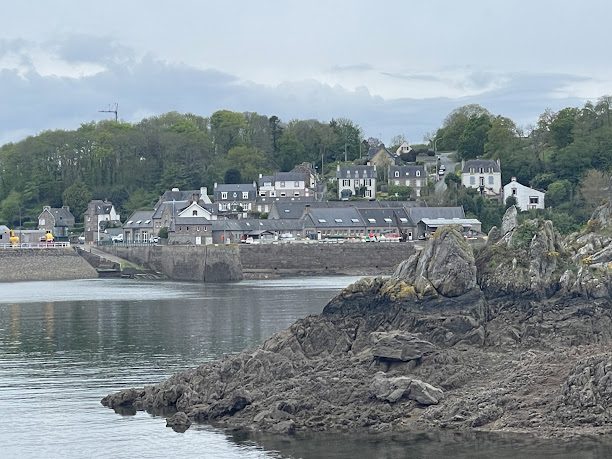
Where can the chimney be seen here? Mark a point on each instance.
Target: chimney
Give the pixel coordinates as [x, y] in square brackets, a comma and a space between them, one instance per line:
[260, 175]
[514, 179]
[337, 168]
[368, 163]
[215, 186]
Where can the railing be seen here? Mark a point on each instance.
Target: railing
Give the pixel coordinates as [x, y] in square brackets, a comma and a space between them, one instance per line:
[36, 245]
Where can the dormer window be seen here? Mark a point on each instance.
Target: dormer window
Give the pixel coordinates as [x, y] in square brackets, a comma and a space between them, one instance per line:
[397, 173]
[418, 173]
[245, 195]
[481, 170]
[224, 195]
[194, 213]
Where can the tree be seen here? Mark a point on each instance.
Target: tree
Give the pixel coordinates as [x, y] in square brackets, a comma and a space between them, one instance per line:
[558, 193]
[594, 188]
[473, 138]
[400, 193]
[77, 196]
[561, 127]
[233, 176]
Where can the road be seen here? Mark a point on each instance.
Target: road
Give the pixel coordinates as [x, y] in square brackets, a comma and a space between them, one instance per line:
[447, 160]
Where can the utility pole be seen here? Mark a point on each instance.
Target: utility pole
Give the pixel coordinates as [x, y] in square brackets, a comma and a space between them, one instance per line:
[115, 111]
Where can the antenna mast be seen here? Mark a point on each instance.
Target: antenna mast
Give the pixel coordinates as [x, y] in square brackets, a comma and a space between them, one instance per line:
[115, 111]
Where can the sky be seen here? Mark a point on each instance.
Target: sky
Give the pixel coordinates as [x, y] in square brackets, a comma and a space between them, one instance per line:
[393, 67]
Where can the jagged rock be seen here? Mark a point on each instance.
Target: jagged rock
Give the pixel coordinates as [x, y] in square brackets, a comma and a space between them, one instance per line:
[445, 266]
[494, 235]
[398, 346]
[178, 421]
[392, 389]
[509, 220]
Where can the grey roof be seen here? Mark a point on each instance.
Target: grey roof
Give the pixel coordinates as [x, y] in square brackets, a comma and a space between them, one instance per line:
[406, 171]
[416, 214]
[62, 215]
[485, 164]
[333, 218]
[397, 216]
[102, 207]
[142, 216]
[175, 207]
[283, 177]
[466, 222]
[251, 224]
[349, 172]
[235, 187]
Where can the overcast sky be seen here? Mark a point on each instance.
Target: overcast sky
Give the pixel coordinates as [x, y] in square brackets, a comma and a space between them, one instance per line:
[394, 67]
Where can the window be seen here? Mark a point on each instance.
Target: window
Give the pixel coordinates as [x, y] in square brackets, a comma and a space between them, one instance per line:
[197, 228]
[472, 180]
[296, 193]
[403, 220]
[235, 194]
[224, 195]
[322, 220]
[481, 170]
[338, 220]
[282, 184]
[418, 183]
[397, 182]
[139, 222]
[397, 173]
[296, 184]
[287, 211]
[245, 195]
[262, 194]
[368, 194]
[388, 220]
[418, 173]
[481, 181]
[372, 220]
[513, 191]
[130, 222]
[345, 182]
[194, 213]
[283, 194]
[534, 200]
[147, 222]
[355, 220]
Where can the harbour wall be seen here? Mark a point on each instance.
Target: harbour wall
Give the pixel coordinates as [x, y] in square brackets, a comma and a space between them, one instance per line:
[43, 264]
[219, 263]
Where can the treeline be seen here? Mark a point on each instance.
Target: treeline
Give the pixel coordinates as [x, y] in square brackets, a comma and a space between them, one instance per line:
[568, 154]
[131, 164]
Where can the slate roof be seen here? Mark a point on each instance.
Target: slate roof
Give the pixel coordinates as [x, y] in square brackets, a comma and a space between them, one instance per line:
[416, 214]
[352, 172]
[245, 225]
[379, 216]
[347, 217]
[476, 164]
[406, 171]
[142, 216]
[102, 207]
[237, 188]
[62, 216]
[192, 221]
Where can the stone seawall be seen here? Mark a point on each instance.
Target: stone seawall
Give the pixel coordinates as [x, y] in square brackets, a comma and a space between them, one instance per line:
[221, 263]
[185, 263]
[43, 264]
[320, 259]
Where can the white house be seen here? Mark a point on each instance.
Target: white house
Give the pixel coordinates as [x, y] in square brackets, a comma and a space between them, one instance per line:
[526, 198]
[482, 174]
[285, 185]
[353, 180]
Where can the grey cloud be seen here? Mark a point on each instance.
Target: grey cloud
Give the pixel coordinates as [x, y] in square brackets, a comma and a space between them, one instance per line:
[412, 76]
[89, 49]
[34, 103]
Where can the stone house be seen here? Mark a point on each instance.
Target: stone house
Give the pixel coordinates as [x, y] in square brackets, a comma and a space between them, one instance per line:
[321, 222]
[412, 176]
[97, 217]
[58, 220]
[139, 227]
[526, 198]
[235, 200]
[192, 230]
[355, 180]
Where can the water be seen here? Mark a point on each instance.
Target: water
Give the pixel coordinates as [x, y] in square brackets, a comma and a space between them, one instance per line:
[64, 345]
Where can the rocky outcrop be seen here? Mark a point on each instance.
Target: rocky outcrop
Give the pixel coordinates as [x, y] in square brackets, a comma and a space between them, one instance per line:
[426, 349]
[444, 267]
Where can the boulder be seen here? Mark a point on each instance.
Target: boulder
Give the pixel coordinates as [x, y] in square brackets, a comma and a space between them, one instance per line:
[178, 421]
[392, 389]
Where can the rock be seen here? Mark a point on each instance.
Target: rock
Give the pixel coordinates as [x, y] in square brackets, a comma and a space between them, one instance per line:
[392, 389]
[178, 421]
[424, 393]
[509, 220]
[446, 266]
[494, 235]
[398, 346]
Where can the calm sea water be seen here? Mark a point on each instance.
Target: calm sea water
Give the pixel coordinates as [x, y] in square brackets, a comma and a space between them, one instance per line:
[64, 345]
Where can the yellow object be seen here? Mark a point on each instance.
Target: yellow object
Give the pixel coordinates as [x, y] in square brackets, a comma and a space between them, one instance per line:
[13, 238]
[49, 236]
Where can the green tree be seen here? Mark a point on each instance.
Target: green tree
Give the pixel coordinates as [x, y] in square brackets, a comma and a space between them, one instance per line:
[77, 196]
[558, 193]
[233, 175]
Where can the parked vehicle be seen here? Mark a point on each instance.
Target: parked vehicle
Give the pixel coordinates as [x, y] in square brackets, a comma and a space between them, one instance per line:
[117, 238]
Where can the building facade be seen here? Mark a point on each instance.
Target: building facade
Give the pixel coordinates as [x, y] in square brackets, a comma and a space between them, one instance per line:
[357, 181]
[483, 175]
[526, 198]
[414, 177]
[57, 220]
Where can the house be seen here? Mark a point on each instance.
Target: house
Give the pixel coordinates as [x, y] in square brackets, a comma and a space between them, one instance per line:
[381, 157]
[403, 148]
[98, 216]
[356, 181]
[309, 173]
[428, 219]
[333, 222]
[192, 230]
[526, 198]
[388, 220]
[175, 201]
[235, 200]
[484, 175]
[413, 176]
[139, 227]
[58, 220]
[296, 185]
